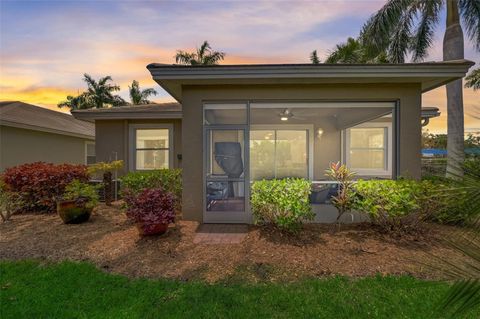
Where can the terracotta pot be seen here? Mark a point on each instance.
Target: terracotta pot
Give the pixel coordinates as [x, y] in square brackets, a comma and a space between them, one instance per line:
[73, 212]
[147, 229]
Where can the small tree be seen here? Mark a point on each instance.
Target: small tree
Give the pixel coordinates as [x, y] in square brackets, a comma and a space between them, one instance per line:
[106, 168]
[10, 202]
[344, 199]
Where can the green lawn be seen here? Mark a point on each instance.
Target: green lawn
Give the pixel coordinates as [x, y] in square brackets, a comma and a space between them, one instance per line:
[79, 290]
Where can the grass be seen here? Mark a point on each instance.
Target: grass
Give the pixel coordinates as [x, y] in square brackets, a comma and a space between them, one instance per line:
[79, 290]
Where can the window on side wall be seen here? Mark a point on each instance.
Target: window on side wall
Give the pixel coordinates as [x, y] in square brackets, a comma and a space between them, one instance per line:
[90, 157]
[151, 147]
[368, 149]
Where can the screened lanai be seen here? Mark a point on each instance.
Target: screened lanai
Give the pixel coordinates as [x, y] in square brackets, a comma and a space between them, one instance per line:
[249, 141]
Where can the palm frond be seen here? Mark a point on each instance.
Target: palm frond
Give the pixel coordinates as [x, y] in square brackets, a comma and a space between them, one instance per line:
[401, 37]
[473, 80]
[376, 33]
[213, 58]
[347, 52]
[183, 57]
[423, 36]
[104, 80]
[204, 55]
[204, 48]
[147, 92]
[470, 12]
[462, 297]
[88, 79]
[314, 57]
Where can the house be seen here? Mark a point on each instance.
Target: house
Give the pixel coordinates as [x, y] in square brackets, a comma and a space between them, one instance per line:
[240, 123]
[29, 133]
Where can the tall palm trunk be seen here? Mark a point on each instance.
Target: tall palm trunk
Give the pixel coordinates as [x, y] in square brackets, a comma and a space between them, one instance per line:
[453, 50]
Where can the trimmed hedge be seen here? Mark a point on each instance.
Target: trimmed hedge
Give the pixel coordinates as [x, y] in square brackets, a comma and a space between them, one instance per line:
[398, 205]
[39, 184]
[170, 180]
[283, 203]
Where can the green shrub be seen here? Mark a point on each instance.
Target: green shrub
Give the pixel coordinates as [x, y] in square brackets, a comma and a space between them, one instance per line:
[77, 190]
[170, 180]
[397, 205]
[283, 203]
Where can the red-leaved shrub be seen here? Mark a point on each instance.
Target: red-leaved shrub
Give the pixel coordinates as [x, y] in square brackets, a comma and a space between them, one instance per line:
[40, 184]
[151, 206]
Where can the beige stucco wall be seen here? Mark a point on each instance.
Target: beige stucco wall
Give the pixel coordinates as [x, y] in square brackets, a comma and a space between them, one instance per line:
[112, 139]
[408, 95]
[19, 146]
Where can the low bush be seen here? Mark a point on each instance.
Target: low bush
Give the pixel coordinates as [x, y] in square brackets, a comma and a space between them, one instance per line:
[151, 206]
[283, 203]
[40, 184]
[397, 205]
[83, 192]
[168, 179]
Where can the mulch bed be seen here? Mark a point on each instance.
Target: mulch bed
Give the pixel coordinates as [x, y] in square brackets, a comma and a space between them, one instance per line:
[110, 241]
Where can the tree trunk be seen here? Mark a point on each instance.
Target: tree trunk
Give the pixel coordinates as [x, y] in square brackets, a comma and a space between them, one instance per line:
[107, 188]
[453, 50]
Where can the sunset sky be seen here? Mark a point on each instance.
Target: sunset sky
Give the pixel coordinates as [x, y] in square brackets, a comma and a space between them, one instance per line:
[46, 46]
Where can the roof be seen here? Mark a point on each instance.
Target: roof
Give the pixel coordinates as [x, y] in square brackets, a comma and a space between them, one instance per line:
[31, 117]
[429, 75]
[146, 111]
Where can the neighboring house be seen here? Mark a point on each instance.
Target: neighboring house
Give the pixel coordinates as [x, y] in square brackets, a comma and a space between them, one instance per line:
[29, 133]
[241, 123]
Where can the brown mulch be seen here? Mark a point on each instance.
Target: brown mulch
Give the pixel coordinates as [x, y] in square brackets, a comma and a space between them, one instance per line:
[110, 241]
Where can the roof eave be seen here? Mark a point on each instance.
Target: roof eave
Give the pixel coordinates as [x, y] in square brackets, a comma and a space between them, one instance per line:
[172, 77]
[45, 130]
[93, 116]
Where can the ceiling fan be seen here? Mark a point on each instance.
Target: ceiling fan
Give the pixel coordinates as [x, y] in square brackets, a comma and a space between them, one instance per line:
[287, 114]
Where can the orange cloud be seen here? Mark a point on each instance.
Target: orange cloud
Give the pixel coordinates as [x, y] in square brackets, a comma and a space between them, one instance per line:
[43, 96]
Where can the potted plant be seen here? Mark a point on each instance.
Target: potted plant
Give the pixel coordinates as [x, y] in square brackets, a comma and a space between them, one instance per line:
[152, 210]
[77, 203]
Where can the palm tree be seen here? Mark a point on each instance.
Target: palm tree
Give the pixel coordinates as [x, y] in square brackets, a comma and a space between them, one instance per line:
[353, 51]
[314, 57]
[403, 27]
[473, 80]
[79, 102]
[203, 56]
[101, 92]
[138, 96]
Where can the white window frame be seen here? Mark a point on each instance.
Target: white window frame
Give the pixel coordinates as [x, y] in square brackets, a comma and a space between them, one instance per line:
[310, 139]
[86, 151]
[132, 132]
[388, 147]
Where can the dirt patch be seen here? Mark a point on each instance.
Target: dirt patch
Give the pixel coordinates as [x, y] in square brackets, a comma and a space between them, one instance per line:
[110, 241]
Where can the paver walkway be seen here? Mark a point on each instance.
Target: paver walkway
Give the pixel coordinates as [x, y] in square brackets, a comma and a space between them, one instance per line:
[220, 234]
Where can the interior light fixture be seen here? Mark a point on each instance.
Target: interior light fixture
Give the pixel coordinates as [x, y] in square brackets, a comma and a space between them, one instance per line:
[284, 118]
[319, 132]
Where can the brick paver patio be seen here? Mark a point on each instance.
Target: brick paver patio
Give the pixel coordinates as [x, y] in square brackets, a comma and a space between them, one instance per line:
[220, 234]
